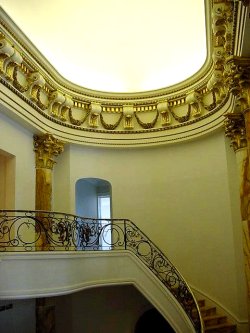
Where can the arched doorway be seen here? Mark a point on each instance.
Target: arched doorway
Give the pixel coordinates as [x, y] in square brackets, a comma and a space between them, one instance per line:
[93, 200]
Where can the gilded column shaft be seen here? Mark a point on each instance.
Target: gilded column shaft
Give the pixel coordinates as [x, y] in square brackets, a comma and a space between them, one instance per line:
[235, 129]
[46, 147]
[244, 172]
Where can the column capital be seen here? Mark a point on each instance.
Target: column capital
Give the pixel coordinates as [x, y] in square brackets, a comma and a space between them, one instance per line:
[237, 80]
[46, 148]
[245, 2]
[237, 73]
[235, 130]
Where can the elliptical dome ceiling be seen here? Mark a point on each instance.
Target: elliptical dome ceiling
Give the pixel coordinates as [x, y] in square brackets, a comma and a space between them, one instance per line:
[116, 45]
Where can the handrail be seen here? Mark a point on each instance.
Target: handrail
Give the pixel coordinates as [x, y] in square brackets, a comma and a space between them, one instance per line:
[26, 230]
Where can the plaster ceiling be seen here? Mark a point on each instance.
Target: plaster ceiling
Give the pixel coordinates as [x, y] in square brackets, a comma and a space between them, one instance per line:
[116, 45]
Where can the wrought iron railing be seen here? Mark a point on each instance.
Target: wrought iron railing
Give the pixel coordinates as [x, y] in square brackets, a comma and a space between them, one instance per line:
[50, 231]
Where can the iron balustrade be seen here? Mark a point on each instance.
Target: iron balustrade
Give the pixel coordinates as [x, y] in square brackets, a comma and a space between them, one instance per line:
[52, 231]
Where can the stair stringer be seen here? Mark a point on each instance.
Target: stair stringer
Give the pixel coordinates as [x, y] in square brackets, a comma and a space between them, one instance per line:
[29, 275]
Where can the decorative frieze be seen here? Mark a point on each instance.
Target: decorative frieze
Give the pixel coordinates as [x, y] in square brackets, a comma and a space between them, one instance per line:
[75, 108]
[46, 148]
[235, 130]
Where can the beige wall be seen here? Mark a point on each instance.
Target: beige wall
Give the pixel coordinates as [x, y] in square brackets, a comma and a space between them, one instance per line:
[179, 196]
[183, 196]
[20, 169]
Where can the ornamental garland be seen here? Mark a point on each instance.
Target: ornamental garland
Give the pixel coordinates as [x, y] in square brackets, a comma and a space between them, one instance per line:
[213, 104]
[149, 124]
[110, 126]
[76, 121]
[182, 119]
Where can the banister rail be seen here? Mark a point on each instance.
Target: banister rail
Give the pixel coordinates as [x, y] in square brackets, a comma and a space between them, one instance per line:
[23, 230]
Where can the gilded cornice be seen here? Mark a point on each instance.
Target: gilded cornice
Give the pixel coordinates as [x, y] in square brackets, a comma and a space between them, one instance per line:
[189, 104]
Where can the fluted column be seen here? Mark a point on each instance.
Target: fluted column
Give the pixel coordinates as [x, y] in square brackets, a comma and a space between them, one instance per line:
[46, 148]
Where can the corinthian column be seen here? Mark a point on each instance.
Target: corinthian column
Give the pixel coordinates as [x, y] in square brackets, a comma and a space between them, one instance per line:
[237, 128]
[46, 148]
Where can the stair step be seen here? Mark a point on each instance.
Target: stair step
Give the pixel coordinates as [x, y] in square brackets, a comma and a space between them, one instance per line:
[201, 303]
[214, 320]
[214, 323]
[208, 311]
[222, 328]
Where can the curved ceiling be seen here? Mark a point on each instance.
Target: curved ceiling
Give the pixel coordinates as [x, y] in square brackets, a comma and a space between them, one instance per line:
[116, 45]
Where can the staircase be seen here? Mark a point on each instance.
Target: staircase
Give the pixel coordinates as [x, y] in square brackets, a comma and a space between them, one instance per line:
[213, 322]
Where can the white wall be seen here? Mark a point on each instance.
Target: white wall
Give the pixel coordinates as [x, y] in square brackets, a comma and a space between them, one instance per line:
[179, 196]
[18, 142]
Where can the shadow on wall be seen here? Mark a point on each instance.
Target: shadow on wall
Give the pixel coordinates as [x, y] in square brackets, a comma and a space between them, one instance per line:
[152, 321]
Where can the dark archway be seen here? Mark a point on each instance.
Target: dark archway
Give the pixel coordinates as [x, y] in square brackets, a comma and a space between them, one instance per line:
[152, 321]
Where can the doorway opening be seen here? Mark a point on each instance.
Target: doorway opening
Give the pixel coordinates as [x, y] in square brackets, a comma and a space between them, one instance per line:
[94, 201]
[7, 180]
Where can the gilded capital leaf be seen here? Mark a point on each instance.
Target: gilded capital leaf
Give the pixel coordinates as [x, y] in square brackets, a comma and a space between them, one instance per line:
[237, 74]
[235, 130]
[46, 148]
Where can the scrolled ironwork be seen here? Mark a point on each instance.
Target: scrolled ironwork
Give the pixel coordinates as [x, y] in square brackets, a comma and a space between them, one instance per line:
[52, 231]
